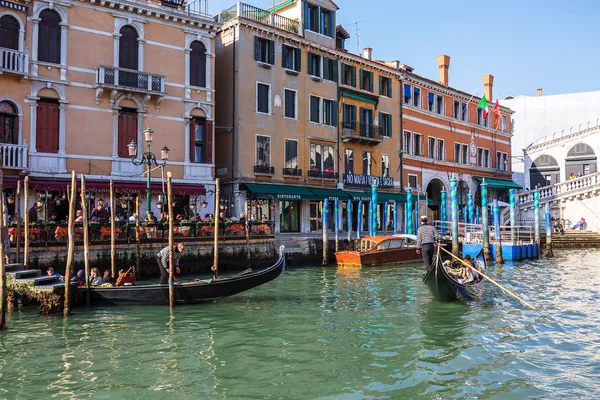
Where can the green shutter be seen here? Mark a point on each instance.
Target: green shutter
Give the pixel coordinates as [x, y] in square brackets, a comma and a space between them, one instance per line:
[390, 122]
[309, 60]
[298, 59]
[390, 88]
[353, 83]
[370, 81]
[256, 48]
[271, 52]
[332, 24]
[326, 68]
[381, 84]
[335, 70]
[283, 56]
[305, 15]
[334, 113]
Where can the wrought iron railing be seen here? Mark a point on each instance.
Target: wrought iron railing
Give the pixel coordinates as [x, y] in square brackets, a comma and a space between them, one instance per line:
[14, 61]
[292, 172]
[172, 3]
[264, 169]
[259, 15]
[312, 173]
[14, 156]
[361, 130]
[127, 78]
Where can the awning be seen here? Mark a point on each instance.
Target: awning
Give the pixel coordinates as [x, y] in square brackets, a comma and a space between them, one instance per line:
[281, 192]
[331, 194]
[120, 187]
[499, 183]
[382, 197]
[364, 196]
[357, 96]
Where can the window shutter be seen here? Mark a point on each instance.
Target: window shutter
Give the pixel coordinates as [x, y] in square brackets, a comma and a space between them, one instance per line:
[353, 76]
[305, 15]
[335, 70]
[192, 139]
[381, 85]
[389, 126]
[256, 48]
[298, 59]
[389, 91]
[47, 127]
[332, 24]
[283, 56]
[381, 124]
[43, 43]
[370, 81]
[208, 147]
[271, 52]
[334, 113]
[310, 67]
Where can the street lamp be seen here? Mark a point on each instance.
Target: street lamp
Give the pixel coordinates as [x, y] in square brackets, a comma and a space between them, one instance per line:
[149, 159]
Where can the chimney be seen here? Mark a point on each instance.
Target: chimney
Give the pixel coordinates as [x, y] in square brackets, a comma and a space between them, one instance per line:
[540, 92]
[367, 53]
[488, 83]
[444, 65]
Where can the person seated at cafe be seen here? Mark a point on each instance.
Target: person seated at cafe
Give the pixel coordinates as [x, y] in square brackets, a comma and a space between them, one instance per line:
[558, 228]
[194, 217]
[95, 278]
[33, 215]
[107, 278]
[99, 214]
[52, 273]
[179, 218]
[265, 218]
[133, 218]
[164, 217]
[52, 217]
[79, 216]
[151, 218]
[243, 218]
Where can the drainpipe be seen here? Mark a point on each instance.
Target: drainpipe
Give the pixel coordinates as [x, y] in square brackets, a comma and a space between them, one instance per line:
[401, 136]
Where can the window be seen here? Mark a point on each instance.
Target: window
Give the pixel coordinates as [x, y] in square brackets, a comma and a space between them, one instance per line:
[439, 104]
[291, 99]
[198, 64]
[263, 151]
[349, 161]
[9, 33]
[328, 159]
[431, 147]
[456, 109]
[329, 112]
[417, 97]
[366, 80]
[348, 75]
[326, 23]
[315, 105]
[314, 65]
[465, 154]
[407, 93]
[8, 123]
[457, 148]
[464, 112]
[385, 124]
[47, 126]
[264, 50]
[321, 158]
[127, 125]
[440, 150]
[318, 19]
[486, 158]
[330, 69]
[505, 161]
[291, 58]
[385, 86]
[413, 181]
[291, 154]
[385, 165]
[263, 98]
[503, 126]
[479, 116]
[312, 17]
[418, 144]
[201, 141]
[407, 142]
[349, 112]
[479, 157]
[367, 162]
[430, 101]
[128, 53]
[49, 37]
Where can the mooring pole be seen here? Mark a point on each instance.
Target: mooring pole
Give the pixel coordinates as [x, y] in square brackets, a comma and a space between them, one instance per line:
[409, 211]
[485, 220]
[359, 218]
[26, 221]
[443, 209]
[3, 290]
[217, 226]
[454, 214]
[325, 224]
[171, 263]
[86, 250]
[138, 244]
[18, 221]
[247, 228]
[395, 208]
[471, 209]
[549, 253]
[513, 217]
[349, 219]
[536, 218]
[386, 205]
[70, 245]
[336, 216]
[112, 229]
[496, 209]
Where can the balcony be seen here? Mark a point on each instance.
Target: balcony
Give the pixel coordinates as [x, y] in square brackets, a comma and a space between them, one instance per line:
[315, 173]
[13, 61]
[14, 156]
[292, 172]
[264, 170]
[362, 133]
[259, 15]
[172, 3]
[127, 80]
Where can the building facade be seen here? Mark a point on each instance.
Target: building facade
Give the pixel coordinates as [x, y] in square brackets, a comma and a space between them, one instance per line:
[82, 80]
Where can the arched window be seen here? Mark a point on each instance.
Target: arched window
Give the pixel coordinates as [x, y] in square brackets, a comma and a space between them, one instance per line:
[581, 150]
[8, 123]
[9, 32]
[198, 64]
[49, 37]
[128, 48]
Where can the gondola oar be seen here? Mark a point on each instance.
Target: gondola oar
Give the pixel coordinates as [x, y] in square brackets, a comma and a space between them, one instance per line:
[490, 279]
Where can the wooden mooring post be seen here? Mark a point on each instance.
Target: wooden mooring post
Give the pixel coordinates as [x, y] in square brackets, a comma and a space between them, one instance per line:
[171, 263]
[70, 246]
[112, 215]
[18, 220]
[138, 245]
[3, 290]
[247, 229]
[215, 267]
[86, 249]
[26, 221]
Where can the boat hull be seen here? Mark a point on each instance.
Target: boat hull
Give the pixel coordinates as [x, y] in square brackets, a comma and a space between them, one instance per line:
[358, 259]
[444, 288]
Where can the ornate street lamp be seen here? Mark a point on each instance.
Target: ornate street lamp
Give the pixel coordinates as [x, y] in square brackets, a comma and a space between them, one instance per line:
[149, 159]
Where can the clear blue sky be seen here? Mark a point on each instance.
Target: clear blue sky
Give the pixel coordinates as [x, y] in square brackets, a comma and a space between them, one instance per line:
[525, 44]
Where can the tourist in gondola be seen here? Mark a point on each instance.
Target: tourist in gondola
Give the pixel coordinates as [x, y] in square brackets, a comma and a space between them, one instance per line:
[426, 238]
[162, 259]
[95, 278]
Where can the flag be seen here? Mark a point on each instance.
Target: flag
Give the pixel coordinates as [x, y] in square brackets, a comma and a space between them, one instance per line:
[483, 106]
[497, 113]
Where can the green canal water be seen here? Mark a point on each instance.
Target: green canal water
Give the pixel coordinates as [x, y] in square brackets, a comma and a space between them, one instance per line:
[323, 333]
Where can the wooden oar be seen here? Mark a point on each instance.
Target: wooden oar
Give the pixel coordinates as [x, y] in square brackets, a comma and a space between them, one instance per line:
[490, 279]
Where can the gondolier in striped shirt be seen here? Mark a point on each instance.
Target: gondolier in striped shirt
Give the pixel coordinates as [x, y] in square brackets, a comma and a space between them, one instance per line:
[426, 238]
[162, 258]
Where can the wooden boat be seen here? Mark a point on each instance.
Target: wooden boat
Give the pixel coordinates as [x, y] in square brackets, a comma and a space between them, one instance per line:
[189, 292]
[378, 250]
[444, 287]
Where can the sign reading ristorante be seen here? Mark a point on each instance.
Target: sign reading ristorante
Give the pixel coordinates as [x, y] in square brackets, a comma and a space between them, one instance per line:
[367, 180]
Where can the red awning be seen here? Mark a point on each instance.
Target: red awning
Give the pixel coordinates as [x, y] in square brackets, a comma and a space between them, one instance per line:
[103, 187]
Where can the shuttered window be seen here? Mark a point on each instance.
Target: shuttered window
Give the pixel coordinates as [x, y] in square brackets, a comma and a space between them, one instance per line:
[291, 58]
[8, 123]
[349, 75]
[127, 130]
[201, 141]
[264, 50]
[198, 64]
[263, 98]
[9, 33]
[47, 126]
[49, 37]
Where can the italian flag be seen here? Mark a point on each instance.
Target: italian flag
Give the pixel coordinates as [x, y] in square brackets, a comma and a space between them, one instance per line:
[483, 106]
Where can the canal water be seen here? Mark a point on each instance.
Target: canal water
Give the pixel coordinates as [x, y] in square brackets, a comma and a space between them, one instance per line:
[324, 333]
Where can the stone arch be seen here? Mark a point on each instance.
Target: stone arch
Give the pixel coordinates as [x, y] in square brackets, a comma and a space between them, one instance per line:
[191, 106]
[121, 22]
[14, 103]
[15, 16]
[198, 38]
[581, 150]
[60, 89]
[434, 189]
[544, 171]
[116, 102]
[60, 10]
[580, 160]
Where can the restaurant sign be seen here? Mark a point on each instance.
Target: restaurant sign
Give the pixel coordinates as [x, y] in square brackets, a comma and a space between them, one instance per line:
[367, 180]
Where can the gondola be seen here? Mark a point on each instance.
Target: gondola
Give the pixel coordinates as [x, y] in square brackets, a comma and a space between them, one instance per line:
[189, 292]
[443, 287]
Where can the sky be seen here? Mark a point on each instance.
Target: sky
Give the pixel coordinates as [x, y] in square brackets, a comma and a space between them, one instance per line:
[525, 44]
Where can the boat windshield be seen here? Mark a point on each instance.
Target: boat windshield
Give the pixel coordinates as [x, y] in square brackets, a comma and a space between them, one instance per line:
[408, 242]
[366, 245]
[390, 244]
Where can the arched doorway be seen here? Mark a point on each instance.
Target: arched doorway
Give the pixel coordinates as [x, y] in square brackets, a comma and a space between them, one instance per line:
[544, 171]
[434, 190]
[580, 160]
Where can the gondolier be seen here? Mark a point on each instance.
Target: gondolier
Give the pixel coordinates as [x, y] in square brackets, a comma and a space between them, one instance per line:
[426, 238]
[162, 259]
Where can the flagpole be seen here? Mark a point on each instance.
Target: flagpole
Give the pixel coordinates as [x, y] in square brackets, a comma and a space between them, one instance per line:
[469, 102]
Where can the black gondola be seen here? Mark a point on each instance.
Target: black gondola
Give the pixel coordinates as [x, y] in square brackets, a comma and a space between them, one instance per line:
[445, 288]
[187, 293]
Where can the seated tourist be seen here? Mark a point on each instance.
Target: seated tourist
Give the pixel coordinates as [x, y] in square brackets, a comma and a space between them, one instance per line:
[108, 278]
[79, 277]
[95, 278]
[79, 216]
[52, 273]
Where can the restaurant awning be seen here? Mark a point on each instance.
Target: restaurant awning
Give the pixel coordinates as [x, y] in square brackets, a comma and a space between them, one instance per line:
[382, 197]
[281, 192]
[499, 183]
[331, 194]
